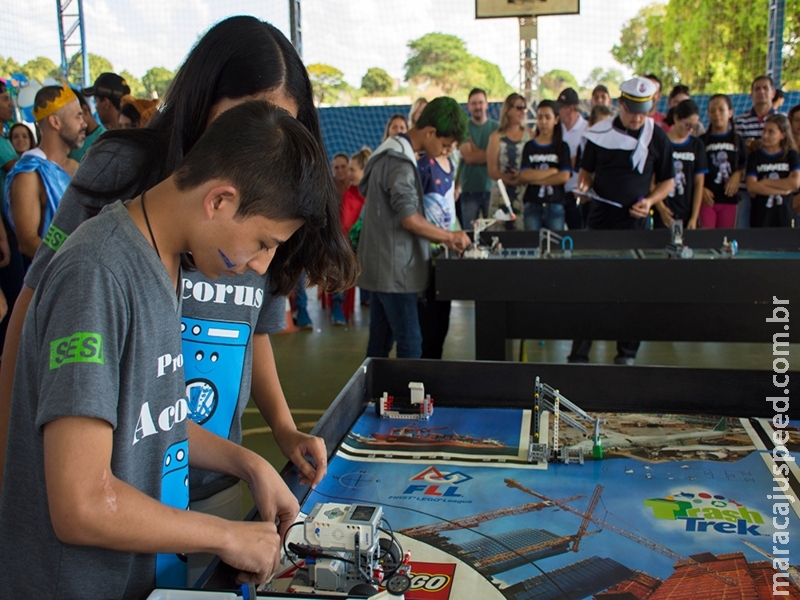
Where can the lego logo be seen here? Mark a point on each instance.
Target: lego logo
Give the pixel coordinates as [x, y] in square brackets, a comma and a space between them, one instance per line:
[429, 583]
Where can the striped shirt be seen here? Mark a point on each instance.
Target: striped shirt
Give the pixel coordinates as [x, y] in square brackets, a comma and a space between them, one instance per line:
[750, 125]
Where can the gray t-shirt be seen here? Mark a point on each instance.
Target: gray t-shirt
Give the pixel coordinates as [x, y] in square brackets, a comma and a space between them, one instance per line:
[219, 319]
[101, 339]
[227, 311]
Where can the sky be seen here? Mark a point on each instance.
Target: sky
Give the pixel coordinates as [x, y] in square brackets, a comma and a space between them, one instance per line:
[352, 35]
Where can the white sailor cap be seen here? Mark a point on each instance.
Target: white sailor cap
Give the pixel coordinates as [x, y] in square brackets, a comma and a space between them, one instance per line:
[637, 94]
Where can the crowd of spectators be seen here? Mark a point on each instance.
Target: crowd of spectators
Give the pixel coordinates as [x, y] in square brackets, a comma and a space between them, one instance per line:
[622, 166]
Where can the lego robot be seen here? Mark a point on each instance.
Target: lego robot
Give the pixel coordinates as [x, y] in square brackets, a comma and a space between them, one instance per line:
[345, 552]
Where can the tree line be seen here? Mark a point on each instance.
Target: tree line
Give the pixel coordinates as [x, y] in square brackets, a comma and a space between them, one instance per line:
[710, 45]
[156, 80]
[713, 46]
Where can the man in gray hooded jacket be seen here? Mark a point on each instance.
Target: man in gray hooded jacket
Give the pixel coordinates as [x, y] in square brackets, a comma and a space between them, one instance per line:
[394, 248]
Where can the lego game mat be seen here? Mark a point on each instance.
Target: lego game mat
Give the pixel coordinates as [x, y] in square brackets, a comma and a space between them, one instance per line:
[679, 506]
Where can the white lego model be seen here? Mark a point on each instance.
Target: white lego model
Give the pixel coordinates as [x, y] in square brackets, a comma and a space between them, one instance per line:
[420, 406]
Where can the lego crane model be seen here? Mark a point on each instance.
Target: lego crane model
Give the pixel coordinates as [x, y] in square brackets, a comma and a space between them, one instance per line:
[546, 398]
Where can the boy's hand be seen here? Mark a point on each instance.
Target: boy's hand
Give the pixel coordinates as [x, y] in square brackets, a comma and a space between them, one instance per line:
[458, 241]
[275, 502]
[296, 446]
[254, 549]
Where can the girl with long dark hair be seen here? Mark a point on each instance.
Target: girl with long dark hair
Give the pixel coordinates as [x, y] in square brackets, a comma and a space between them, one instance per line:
[726, 156]
[546, 167]
[689, 158]
[238, 59]
[773, 173]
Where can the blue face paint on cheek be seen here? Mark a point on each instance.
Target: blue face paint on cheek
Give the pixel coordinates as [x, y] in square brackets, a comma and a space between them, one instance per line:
[225, 259]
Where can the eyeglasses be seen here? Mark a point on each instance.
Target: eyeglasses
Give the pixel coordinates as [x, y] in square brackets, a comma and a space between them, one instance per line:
[520, 107]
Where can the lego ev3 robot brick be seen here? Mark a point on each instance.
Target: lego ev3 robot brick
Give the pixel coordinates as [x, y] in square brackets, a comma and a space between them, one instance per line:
[338, 526]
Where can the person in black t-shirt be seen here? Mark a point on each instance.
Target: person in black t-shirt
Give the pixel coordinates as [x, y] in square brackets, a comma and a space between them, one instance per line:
[621, 158]
[773, 173]
[689, 158]
[546, 167]
[726, 156]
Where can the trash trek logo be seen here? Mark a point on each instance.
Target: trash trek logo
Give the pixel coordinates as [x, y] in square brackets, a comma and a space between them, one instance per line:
[706, 513]
[433, 485]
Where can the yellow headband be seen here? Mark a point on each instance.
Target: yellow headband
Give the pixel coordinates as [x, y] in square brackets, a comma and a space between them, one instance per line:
[64, 97]
[636, 99]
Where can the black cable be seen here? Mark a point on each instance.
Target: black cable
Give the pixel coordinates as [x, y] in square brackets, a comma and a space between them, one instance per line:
[438, 518]
[285, 551]
[393, 539]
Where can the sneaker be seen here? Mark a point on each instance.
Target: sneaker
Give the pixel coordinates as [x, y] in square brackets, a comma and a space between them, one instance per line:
[627, 361]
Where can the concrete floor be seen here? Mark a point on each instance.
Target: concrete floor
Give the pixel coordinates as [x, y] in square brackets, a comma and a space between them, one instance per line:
[314, 365]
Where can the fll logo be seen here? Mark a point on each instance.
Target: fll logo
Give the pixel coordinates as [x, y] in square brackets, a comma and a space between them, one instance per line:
[436, 483]
[704, 513]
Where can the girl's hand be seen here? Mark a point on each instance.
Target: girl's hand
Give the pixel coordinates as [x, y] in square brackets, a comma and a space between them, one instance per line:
[708, 196]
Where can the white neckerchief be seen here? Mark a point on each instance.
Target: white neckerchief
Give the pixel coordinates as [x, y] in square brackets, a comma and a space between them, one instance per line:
[606, 136]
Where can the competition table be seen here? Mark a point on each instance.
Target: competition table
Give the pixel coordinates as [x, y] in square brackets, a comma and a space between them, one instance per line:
[469, 519]
[619, 285]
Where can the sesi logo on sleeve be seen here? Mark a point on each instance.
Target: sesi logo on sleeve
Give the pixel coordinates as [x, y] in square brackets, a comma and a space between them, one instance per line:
[80, 347]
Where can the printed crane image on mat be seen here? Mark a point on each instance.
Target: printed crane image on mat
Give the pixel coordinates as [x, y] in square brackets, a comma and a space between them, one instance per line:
[214, 353]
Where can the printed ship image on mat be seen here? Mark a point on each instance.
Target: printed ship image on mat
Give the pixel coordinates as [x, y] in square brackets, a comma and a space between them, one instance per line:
[432, 437]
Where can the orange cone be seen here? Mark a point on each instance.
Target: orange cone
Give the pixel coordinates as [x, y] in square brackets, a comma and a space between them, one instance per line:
[290, 326]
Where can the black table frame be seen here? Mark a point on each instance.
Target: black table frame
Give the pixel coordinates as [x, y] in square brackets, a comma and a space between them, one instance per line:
[690, 300]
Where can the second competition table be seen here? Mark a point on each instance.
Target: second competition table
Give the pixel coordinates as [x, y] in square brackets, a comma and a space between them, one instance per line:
[679, 497]
[619, 285]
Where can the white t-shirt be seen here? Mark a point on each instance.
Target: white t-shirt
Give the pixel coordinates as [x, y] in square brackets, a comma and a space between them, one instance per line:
[573, 139]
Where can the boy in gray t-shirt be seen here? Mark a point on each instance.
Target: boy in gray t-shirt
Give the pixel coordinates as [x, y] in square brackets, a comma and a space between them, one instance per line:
[96, 478]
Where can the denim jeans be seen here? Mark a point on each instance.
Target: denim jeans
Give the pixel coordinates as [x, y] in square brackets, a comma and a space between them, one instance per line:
[551, 216]
[394, 317]
[473, 203]
[301, 304]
